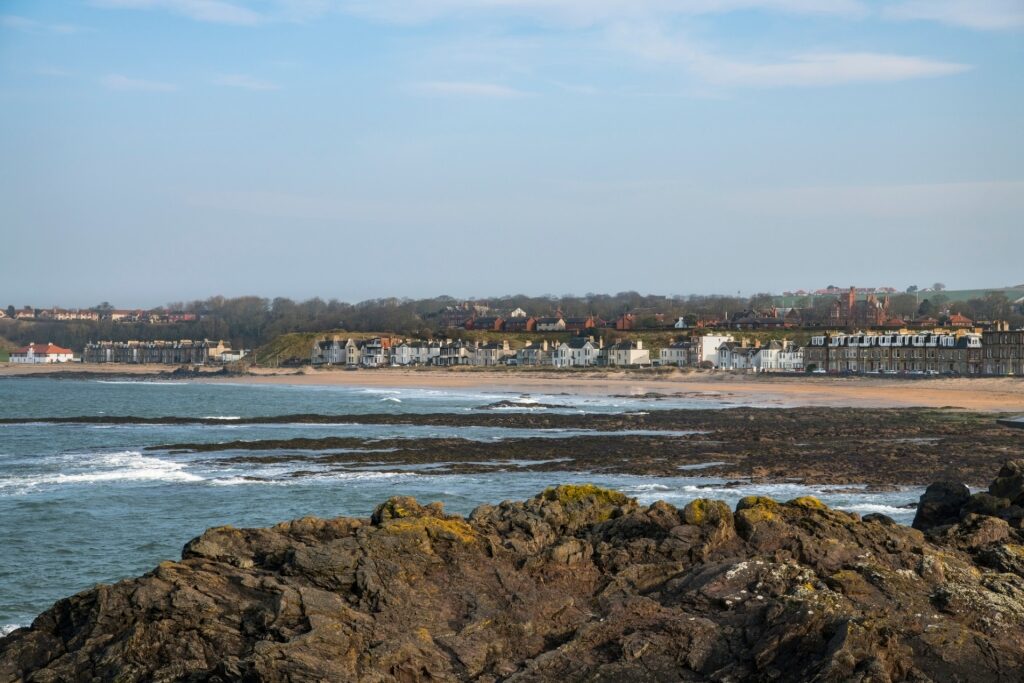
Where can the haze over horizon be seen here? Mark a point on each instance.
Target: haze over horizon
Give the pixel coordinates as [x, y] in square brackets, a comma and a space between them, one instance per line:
[166, 150]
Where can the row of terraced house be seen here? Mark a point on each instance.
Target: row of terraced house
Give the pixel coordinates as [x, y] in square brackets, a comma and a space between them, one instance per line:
[384, 351]
[997, 351]
[179, 352]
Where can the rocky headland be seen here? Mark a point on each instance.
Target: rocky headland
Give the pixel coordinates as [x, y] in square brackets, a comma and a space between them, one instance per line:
[578, 583]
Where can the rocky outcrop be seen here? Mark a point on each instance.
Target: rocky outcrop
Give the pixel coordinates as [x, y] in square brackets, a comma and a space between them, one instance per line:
[578, 583]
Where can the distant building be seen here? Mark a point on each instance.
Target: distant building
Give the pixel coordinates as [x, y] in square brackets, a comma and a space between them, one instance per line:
[495, 353]
[520, 324]
[580, 325]
[486, 323]
[625, 322]
[896, 352]
[181, 352]
[453, 353]
[328, 352]
[778, 356]
[849, 311]
[67, 314]
[578, 352]
[736, 356]
[958, 320]
[412, 353]
[556, 324]
[41, 353]
[534, 354]
[679, 353]
[627, 354]
[705, 348]
[1003, 351]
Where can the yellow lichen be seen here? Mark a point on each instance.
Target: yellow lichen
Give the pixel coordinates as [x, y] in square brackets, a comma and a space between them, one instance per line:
[760, 513]
[698, 511]
[435, 528]
[808, 503]
[577, 493]
[756, 501]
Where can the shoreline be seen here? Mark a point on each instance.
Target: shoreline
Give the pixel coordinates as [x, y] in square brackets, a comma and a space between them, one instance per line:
[982, 394]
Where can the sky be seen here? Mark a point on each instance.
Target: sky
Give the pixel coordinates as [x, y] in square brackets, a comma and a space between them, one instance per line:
[164, 150]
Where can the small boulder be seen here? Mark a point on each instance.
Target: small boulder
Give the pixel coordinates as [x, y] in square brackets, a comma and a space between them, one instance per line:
[1009, 483]
[940, 505]
[984, 504]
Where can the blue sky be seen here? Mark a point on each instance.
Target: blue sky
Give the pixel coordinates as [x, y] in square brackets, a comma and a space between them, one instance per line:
[159, 150]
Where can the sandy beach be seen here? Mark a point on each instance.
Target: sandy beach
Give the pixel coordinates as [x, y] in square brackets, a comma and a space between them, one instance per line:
[993, 394]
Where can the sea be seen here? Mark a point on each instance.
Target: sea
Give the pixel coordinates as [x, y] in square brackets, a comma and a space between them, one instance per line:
[82, 504]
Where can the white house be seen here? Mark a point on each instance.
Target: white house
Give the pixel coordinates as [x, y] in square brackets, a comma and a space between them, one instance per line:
[678, 353]
[579, 352]
[410, 353]
[779, 356]
[734, 356]
[534, 354]
[628, 353]
[328, 352]
[494, 353]
[680, 323]
[372, 353]
[453, 353]
[41, 353]
[706, 348]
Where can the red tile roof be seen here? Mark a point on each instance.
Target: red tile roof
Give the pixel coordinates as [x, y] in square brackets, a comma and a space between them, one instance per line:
[43, 349]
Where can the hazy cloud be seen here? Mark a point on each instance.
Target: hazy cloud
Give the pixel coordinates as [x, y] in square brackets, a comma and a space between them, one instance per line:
[214, 11]
[245, 82]
[809, 69]
[590, 12]
[468, 89]
[825, 69]
[27, 25]
[120, 82]
[977, 14]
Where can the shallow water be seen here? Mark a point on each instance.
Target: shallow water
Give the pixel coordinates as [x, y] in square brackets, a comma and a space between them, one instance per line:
[86, 503]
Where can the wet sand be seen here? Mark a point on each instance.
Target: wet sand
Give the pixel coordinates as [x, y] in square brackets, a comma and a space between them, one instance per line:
[992, 394]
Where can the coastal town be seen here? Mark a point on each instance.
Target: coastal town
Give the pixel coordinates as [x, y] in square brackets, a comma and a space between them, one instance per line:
[858, 336]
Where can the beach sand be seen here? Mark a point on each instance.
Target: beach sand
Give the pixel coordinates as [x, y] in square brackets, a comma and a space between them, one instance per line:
[990, 394]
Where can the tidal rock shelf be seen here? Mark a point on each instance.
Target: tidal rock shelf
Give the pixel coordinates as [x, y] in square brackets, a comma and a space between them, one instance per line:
[578, 583]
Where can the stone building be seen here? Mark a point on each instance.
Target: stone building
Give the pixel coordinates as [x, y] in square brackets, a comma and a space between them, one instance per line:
[847, 311]
[1003, 351]
[896, 352]
[181, 352]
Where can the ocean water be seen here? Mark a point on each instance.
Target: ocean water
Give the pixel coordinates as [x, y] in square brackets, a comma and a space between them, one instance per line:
[88, 503]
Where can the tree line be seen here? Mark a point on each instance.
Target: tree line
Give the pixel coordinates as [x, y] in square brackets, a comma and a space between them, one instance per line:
[250, 321]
